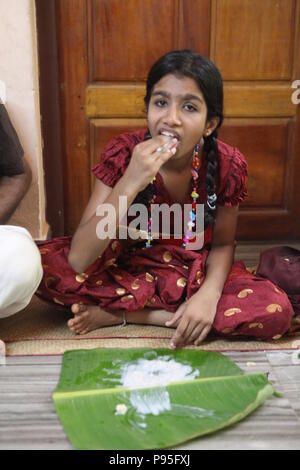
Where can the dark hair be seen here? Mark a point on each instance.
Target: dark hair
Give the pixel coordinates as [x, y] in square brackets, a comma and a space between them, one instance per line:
[187, 63]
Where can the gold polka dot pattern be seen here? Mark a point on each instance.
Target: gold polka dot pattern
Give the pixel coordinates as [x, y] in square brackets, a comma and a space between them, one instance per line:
[81, 277]
[272, 308]
[167, 257]
[43, 251]
[232, 311]
[244, 293]
[126, 298]
[149, 278]
[256, 325]
[110, 262]
[199, 276]
[135, 285]
[120, 291]
[181, 282]
[226, 331]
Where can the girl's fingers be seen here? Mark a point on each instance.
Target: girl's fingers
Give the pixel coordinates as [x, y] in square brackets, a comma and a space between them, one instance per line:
[195, 334]
[178, 337]
[167, 152]
[189, 331]
[157, 142]
[167, 146]
[177, 315]
[203, 335]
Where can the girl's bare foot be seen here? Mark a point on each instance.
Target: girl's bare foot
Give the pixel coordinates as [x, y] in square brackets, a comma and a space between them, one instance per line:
[90, 317]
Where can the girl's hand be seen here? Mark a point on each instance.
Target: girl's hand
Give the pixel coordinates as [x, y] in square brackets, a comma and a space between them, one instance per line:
[147, 158]
[196, 317]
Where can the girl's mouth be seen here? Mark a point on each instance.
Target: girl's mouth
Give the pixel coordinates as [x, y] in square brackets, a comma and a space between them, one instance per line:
[168, 133]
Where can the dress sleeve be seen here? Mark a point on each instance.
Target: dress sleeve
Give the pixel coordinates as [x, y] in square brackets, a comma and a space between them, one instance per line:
[235, 188]
[115, 157]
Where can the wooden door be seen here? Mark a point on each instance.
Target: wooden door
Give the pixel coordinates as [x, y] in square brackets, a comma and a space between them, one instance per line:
[105, 50]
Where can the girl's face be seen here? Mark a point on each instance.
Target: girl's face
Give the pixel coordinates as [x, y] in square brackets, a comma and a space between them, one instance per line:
[178, 106]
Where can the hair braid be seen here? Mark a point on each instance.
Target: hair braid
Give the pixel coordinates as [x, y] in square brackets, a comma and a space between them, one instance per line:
[211, 150]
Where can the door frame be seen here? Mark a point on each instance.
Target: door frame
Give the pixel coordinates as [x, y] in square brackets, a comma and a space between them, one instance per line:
[50, 113]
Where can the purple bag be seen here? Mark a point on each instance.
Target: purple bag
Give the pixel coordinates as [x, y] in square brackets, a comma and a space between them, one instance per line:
[282, 266]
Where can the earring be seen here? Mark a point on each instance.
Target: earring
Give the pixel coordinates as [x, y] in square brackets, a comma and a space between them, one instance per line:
[148, 135]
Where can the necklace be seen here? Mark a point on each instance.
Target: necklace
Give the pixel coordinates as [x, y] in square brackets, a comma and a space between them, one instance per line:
[192, 213]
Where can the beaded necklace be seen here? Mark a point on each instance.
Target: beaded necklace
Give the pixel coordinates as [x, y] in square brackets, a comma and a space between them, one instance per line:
[192, 213]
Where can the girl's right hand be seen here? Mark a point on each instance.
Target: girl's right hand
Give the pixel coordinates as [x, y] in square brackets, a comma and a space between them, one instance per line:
[147, 158]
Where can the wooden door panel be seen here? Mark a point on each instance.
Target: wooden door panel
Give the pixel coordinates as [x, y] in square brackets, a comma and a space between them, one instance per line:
[106, 48]
[266, 144]
[103, 130]
[194, 25]
[72, 38]
[254, 39]
[121, 42]
[240, 100]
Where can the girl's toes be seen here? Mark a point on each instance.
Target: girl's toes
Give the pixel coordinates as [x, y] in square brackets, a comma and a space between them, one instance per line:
[82, 329]
[78, 327]
[84, 332]
[78, 308]
[71, 324]
[76, 323]
[80, 322]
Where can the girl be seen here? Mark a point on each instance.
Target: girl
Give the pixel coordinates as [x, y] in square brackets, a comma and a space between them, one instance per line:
[177, 159]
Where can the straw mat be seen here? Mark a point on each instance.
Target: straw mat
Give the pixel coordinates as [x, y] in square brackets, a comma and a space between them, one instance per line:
[41, 329]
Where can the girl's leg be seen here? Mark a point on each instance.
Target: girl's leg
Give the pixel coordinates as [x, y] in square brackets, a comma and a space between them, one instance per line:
[252, 307]
[90, 317]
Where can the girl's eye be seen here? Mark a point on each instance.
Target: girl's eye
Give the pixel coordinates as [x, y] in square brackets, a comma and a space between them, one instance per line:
[160, 103]
[190, 107]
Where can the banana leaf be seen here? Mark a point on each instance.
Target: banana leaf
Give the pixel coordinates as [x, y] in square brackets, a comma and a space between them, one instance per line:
[214, 394]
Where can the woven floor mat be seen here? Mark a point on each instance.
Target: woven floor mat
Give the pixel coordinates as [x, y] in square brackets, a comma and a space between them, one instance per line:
[42, 329]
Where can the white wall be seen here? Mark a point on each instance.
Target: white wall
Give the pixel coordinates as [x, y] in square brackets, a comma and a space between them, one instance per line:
[19, 72]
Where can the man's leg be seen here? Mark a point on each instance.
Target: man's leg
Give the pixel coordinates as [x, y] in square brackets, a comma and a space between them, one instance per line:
[20, 269]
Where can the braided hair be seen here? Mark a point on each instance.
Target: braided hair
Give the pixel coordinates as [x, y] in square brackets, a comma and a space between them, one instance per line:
[211, 151]
[187, 63]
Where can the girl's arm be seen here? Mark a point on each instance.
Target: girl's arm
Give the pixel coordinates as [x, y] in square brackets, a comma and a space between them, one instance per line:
[221, 256]
[198, 313]
[82, 254]
[144, 164]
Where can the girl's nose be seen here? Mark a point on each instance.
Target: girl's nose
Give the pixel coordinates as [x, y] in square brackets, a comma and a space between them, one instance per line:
[172, 117]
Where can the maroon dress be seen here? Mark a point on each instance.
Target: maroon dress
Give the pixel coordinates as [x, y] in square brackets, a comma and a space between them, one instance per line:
[165, 275]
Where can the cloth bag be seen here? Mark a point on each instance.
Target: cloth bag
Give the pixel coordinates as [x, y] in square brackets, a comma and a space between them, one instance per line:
[282, 266]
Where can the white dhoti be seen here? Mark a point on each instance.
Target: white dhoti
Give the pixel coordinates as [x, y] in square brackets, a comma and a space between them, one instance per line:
[20, 269]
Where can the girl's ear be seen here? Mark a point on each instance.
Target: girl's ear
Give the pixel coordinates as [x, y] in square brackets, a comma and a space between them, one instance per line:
[211, 126]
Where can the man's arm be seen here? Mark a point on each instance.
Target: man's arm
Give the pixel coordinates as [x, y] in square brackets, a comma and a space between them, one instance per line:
[12, 191]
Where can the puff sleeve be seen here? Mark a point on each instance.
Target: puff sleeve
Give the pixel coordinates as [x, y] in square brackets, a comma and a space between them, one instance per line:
[234, 187]
[116, 156]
